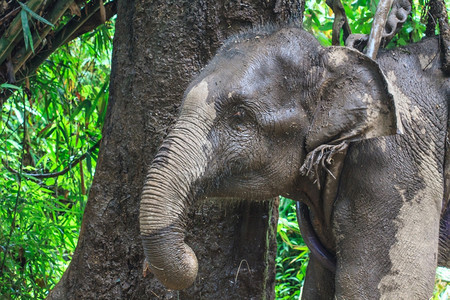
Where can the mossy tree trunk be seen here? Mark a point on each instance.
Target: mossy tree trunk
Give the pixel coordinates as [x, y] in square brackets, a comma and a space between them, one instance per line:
[159, 46]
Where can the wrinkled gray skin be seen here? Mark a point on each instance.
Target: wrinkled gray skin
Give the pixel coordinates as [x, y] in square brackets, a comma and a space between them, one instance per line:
[270, 98]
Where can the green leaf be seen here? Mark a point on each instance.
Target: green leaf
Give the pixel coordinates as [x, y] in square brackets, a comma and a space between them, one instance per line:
[315, 19]
[349, 12]
[323, 39]
[89, 163]
[326, 26]
[401, 42]
[34, 15]
[10, 86]
[63, 130]
[16, 145]
[49, 133]
[86, 104]
[27, 37]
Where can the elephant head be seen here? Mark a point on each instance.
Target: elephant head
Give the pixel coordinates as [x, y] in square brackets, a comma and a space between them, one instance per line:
[247, 123]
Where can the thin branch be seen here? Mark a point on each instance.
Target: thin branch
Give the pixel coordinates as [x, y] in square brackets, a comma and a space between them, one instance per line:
[55, 174]
[383, 28]
[376, 33]
[237, 273]
[437, 14]
[340, 21]
[318, 158]
[11, 14]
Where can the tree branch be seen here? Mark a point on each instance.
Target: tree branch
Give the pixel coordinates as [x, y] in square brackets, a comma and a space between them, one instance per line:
[437, 14]
[95, 20]
[383, 28]
[376, 33]
[11, 14]
[340, 21]
[55, 174]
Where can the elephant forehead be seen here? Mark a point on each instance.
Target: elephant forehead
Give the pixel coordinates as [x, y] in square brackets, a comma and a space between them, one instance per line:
[197, 101]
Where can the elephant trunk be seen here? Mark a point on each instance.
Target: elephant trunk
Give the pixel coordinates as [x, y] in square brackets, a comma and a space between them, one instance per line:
[179, 165]
[167, 193]
[162, 232]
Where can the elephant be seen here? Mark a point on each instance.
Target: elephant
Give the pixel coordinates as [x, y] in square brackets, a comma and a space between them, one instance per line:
[361, 143]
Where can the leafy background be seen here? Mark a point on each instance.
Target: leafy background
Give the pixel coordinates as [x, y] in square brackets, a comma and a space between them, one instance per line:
[53, 120]
[52, 125]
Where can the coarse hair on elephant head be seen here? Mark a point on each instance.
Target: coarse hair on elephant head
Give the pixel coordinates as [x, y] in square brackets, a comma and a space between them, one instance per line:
[247, 123]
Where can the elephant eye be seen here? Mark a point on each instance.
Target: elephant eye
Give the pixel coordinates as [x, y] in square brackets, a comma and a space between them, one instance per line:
[239, 113]
[238, 118]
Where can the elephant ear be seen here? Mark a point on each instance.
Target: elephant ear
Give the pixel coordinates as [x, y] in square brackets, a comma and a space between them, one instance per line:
[355, 101]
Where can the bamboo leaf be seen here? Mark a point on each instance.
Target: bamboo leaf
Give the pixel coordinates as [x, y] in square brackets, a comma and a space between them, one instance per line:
[85, 104]
[35, 15]
[27, 37]
[89, 163]
[64, 133]
[10, 86]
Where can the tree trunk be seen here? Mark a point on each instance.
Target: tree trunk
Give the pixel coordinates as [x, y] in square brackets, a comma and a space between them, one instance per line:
[158, 47]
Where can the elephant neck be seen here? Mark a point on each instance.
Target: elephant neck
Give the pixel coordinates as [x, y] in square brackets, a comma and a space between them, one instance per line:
[319, 198]
[311, 197]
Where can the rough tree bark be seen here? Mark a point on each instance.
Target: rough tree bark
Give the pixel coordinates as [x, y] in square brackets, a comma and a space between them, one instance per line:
[159, 46]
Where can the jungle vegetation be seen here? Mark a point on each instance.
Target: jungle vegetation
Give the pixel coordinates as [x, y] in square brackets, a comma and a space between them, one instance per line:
[50, 128]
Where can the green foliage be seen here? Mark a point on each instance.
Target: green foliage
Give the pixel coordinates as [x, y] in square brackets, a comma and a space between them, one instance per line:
[44, 128]
[319, 20]
[442, 284]
[292, 253]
